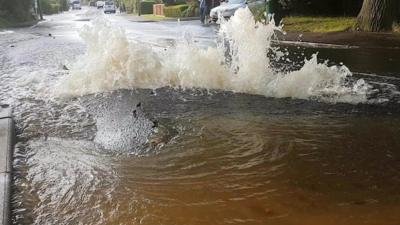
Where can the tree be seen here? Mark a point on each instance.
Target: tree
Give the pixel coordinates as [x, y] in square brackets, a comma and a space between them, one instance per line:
[377, 15]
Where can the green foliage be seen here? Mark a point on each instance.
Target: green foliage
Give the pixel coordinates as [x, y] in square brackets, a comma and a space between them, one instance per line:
[131, 6]
[192, 10]
[4, 23]
[173, 2]
[146, 7]
[48, 7]
[54, 6]
[15, 11]
[175, 11]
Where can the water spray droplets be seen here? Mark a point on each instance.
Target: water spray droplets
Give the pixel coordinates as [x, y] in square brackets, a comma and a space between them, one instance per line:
[240, 63]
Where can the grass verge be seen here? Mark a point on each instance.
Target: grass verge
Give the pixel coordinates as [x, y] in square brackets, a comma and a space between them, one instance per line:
[319, 24]
[4, 23]
[154, 17]
[324, 24]
[10, 22]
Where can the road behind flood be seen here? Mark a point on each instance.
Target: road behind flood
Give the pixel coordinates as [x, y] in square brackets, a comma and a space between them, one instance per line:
[194, 156]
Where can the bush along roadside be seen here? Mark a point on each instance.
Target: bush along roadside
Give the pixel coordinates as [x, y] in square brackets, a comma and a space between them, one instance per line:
[136, 6]
[172, 8]
[174, 2]
[146, 7]
[193, 10]
[175, 11]
[54, 6]
[15, 12]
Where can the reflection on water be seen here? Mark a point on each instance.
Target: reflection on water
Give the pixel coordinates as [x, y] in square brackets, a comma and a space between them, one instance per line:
[214, 165]
[381, 61]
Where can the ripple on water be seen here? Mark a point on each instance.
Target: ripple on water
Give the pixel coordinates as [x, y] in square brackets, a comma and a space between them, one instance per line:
[237, 168]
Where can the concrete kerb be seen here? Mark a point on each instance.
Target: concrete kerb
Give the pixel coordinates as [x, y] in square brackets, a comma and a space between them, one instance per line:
[313, 45]
[7, 140]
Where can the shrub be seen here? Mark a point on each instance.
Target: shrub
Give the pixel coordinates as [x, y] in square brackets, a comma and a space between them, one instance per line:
[131, 6]
[48, 7]
[192, 10]
[174, 2]
[175, 11]
[146, 7]
[54, 6]
[16, 10]
[4, 23]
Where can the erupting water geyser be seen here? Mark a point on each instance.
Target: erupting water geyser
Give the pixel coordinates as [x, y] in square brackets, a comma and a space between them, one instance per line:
[112, 62]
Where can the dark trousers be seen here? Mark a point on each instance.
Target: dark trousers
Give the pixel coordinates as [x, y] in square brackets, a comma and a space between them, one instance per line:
[203, 14]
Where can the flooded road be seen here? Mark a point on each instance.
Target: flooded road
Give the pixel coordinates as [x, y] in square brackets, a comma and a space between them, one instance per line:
[168, 154]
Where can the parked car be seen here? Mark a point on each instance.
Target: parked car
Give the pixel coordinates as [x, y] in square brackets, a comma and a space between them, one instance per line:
[100, 4]
[228, 9]
[109, 7]
[76, 5]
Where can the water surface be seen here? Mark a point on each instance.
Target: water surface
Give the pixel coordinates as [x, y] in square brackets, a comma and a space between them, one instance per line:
[197, 156]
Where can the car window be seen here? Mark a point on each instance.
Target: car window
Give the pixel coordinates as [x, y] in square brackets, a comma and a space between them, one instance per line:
[109, 3]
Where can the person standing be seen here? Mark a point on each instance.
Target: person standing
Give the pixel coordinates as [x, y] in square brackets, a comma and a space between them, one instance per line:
[203, 11]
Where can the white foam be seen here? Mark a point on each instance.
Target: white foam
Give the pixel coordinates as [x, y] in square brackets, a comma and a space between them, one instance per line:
[6, 32]
[112, 62]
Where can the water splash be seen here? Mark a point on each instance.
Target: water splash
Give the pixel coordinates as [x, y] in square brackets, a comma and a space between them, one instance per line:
[112, 62]
[6, 32]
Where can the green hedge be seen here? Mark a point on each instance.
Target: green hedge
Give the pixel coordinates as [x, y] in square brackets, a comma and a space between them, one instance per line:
[15, 11]
[175, 11]
[173, 2]
[146, 7]
[4, 23]
[48, 7]
[54, 6]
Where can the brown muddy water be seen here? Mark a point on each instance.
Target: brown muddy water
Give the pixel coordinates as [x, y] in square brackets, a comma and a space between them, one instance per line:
[191, 157]
[215, 158]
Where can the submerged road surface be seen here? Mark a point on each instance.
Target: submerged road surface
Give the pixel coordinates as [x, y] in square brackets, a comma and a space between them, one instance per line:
[104, 139]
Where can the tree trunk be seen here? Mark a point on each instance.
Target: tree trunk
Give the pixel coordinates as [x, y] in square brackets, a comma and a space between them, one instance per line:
[377, 15]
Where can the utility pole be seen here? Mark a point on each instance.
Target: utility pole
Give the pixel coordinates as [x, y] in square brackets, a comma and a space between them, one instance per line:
[39, 9]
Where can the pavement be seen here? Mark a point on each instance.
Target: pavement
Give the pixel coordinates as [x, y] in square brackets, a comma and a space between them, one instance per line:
[338, 40]
[309, 39]
[350, 39]
[334, 40]
[6, 150]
